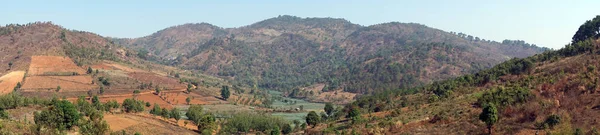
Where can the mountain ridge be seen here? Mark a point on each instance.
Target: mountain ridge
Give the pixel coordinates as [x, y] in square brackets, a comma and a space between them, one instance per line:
[280, 52]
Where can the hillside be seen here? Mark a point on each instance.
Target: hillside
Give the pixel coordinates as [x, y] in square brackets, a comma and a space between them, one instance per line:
[286, 52]
[550, 93]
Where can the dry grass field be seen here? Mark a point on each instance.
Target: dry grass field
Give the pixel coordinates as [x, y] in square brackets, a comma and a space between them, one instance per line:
[9, 81]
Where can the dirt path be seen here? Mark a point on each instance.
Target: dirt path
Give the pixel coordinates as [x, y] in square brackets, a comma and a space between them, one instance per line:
[9, 81]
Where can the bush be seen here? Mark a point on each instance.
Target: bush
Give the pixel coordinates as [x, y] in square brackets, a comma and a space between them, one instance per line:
[3, 114]
[287, 129]
[552, 120]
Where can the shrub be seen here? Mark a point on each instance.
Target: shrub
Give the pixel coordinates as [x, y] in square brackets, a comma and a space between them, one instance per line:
[552, 120]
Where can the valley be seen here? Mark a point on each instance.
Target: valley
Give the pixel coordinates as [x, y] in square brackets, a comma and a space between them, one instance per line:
[295, 75]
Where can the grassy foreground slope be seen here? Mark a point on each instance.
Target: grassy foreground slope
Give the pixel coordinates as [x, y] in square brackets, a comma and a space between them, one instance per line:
[553, 92]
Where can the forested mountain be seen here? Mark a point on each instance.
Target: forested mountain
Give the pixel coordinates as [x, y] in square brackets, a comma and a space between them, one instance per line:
[286, 52]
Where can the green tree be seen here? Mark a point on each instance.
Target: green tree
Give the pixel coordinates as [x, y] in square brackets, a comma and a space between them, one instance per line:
[275, 131]
[225, 92]
[296, 124]
[136, 93]
[175, 114]
[3, 114]
[89, 70]
[101, 90]
[589, 29]
[188, 100]
[157, 90]
[189, 88]
[10, 64]
[206, 122]
[329, 109]
[156, 110]
[57, 88]
[489, 115]
[95, 125]
[95, 100]
[194, 113]
[18, 86]
[62, 115]
[354, 114]
[552, 120]
[165, 113]
[132, 105]
[312, 118]
[286, 129]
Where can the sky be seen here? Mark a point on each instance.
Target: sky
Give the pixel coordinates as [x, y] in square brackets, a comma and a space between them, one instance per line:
[548, 23]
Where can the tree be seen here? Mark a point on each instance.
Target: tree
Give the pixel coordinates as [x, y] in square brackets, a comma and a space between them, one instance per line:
[589, 29]
[133, 106]
[136, 93]
[324, 116]
[552, 120]
[489, 115]
[62, 115]
[101, 90]
[95, 100]
[95, 125]
[354, 114]
[157, 90]
[188, 100]
[10, 64]
[57, 88]
[189, 88]
[17, 87]
[3, 114]
[148, 104]
[206, 122]
[275, 131]
[89, 70]
[194, 113]
[287, 129]
[329, 109]
[175, 114]
[156, 110]
[225, 92]
[312, 118]
[166, 113]
[296, 124]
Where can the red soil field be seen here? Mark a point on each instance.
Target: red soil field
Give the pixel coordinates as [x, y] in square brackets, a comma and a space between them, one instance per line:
[67, 83]
[146, 97]
[42, 64]
[178, 98]
[156, 79]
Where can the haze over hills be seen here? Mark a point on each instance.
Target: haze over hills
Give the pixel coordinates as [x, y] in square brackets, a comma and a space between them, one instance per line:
[287, 52]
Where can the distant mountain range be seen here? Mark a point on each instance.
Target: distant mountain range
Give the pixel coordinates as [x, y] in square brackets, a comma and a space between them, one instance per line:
[287, 52]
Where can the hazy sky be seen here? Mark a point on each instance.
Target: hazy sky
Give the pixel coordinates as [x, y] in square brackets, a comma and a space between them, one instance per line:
[549, 23]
